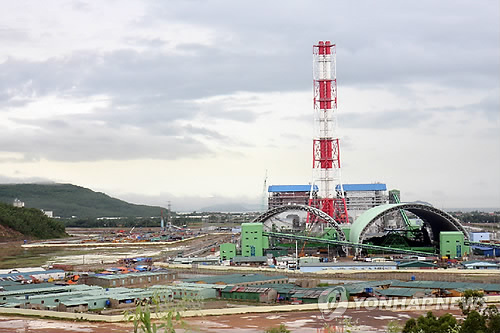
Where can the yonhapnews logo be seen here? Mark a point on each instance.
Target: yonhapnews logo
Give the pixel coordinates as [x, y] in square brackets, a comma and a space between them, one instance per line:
[334, 302]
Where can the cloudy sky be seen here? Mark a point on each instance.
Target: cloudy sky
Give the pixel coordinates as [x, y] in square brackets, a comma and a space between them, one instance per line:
[192, 101]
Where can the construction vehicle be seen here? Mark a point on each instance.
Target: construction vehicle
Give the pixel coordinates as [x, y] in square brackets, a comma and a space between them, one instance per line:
[72, 279]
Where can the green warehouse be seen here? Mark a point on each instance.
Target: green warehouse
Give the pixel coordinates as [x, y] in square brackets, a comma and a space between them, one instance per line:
[452, 244]
[253, 242]
[227, 251]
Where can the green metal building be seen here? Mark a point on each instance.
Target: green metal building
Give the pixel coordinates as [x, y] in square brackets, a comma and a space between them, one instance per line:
[227, 251]
[270, 293]
[190, 291]
[253, 242]
[451, 244]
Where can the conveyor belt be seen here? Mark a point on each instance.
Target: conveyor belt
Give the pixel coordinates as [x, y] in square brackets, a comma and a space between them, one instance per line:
[347, 244]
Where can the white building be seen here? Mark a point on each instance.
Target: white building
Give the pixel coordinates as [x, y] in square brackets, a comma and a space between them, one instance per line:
[479, 236]
[48, 213]
[18, 203]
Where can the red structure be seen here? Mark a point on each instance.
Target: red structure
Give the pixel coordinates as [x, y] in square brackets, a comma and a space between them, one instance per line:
[326, 147]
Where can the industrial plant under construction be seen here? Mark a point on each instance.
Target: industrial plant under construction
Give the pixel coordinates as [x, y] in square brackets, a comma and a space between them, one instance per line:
[311, 239]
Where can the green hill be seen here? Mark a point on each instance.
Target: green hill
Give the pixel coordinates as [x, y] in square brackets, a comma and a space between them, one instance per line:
[30, 222]
[67, 200]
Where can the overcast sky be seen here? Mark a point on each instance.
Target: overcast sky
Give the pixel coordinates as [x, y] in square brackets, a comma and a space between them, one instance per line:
[191, 101]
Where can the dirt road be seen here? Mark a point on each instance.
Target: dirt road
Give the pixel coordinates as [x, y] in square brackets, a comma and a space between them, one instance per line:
[362, 320]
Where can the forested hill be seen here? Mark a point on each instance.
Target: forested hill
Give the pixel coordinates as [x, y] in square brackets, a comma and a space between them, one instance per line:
[30, 222]
[67, 200]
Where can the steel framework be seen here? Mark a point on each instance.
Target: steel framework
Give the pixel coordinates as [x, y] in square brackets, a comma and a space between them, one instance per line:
[346, 244]
[421, 211]
[329, 221]
[326, 146]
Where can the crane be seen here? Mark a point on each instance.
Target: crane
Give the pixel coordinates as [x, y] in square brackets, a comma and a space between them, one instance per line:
[264, 194]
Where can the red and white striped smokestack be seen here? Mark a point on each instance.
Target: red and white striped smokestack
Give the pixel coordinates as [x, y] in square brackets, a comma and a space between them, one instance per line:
[326, 149]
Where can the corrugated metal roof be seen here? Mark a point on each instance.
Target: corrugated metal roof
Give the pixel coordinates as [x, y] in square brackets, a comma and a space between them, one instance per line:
[363, 187]
[446, 285]
[291, 188]
[92, 290]
[488, 287]
[403, 292]
[27, 290]
[26, 275]
[129, 275]
[482, 248]
[238, 259]
[350, 264]
[13, 286]
[235, 278]
[191, 285]
[74, 302]
[290, 289]
[480, 263]
[417, 263]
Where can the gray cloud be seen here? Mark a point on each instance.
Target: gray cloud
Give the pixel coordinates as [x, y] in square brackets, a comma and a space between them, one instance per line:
[76, 140]
[383, 120]
[80, 5]
[488, 108]
[205, 132]
[383, 44]
[378, 42]
[22, 180]
[13, 35]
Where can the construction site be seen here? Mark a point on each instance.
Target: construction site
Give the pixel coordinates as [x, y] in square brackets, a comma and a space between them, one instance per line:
[353, 220]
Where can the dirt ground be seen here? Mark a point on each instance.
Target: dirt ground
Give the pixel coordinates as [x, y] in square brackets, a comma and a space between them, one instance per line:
[366, 321]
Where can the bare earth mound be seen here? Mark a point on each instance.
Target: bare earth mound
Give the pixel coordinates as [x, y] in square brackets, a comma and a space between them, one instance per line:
[8, 234]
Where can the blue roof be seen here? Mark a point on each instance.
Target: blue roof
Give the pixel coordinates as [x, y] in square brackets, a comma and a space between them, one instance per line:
[291, 188]
[363, 187]
[482, 248]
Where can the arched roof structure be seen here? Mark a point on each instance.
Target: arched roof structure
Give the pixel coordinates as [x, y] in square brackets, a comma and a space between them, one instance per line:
[436, 218]
[314, 211]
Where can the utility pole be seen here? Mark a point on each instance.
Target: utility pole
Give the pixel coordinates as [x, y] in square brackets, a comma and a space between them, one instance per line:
[296, 255]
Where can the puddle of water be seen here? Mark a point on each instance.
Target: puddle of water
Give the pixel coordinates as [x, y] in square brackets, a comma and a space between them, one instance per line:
[385, 317]
[274, 317]
[299, 323]
[212, 324]
[40, 325]
[20, 325]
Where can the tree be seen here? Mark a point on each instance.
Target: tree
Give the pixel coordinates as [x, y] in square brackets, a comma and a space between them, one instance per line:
[492, 317]
[145, 314]
[430, 324]
[472, 300]
[474, 323]
[494, 324]
[393, 327]
[30, 222]
[410, 326]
